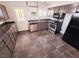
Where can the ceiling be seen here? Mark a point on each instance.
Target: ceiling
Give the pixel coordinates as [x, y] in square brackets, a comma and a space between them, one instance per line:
[57, 3]
[48, 4]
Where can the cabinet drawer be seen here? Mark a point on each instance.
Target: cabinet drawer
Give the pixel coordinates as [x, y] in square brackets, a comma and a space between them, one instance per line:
[4, 51]
[9, 43]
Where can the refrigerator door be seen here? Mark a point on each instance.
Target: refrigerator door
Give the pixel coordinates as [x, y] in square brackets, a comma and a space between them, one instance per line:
[71, 35]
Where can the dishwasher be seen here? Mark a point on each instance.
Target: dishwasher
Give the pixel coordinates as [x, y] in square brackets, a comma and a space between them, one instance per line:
[33, 27]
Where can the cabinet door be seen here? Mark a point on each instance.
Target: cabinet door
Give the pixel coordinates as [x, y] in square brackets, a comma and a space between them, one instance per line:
[9, 43]
[35, 27]
[32, 28]
[75, 7]
[39, 26]
[12, 37]
[13, 31]
[44, 25]
[68, 9]
[71, 8]
[56, 10]
[61, 9]
[4, 51]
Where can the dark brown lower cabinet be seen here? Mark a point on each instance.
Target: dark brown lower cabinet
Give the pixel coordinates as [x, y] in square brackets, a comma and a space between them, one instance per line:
[42, 25]
[4, 51]
[38, 25]
[14, 31]
[8, 42]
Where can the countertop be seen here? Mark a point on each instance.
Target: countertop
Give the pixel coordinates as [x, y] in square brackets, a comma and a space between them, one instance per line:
[38, 20]
[4, 28]
[44, 20]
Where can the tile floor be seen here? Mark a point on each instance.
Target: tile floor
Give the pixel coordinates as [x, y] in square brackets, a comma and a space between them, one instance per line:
[42, 44]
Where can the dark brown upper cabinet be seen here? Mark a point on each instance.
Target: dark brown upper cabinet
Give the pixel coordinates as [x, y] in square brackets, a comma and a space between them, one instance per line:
[56, 9]
[77, 9]
[61, 9]
[67, 9]
[3, 13]
[71, 8]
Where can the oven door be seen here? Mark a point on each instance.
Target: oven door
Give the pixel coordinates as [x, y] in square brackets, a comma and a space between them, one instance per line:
[52, 26]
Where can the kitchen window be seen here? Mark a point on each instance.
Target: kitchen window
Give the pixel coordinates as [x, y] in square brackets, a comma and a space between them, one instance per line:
[20, 14]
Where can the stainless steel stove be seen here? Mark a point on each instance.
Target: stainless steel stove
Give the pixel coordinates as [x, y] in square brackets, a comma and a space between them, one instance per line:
[52, 26]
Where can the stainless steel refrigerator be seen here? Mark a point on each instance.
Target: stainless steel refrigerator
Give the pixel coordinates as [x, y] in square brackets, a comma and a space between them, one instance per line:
[71, 35]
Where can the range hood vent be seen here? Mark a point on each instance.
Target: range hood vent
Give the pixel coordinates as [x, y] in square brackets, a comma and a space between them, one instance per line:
[31, 3]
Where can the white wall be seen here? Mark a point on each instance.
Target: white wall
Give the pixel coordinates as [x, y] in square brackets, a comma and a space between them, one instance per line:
[11, 6]
[8, 10]
[23, 25]
[41, 11]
